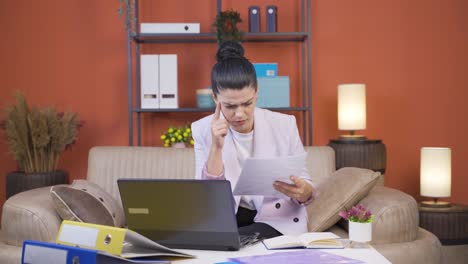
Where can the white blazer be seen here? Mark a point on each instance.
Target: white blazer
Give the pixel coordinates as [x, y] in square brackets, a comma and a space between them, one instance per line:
[275, 135]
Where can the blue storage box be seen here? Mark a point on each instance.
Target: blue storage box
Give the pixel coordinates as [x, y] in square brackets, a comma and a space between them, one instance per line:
[266, 69]
[273, 91]
[205, 98]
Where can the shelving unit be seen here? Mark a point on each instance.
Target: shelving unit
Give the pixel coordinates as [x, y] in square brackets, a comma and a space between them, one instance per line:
[211, 37]
[140, 39]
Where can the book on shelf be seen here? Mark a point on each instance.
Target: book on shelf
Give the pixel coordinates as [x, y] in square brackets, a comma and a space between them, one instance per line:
[306, 240]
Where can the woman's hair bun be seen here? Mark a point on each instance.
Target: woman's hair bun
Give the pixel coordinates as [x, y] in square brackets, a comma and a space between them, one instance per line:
[230, 50]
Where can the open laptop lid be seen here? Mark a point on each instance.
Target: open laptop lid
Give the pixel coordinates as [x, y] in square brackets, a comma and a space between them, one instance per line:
[194, 214]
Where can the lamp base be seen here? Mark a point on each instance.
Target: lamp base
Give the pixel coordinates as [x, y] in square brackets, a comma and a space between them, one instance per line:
[435, 204]
[352, 137]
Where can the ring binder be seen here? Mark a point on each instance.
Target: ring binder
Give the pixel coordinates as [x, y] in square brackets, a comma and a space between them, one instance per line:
[111, 240]
[38, 252]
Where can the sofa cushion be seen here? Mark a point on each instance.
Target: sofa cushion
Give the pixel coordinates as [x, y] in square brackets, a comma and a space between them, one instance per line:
[342, 190]
[85, 201]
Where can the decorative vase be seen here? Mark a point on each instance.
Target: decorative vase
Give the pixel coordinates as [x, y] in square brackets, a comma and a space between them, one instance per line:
[178, 145]
[360, 232]
[19, 181]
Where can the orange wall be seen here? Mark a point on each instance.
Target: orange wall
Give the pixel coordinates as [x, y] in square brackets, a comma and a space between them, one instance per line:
[411, 54]
[413, 57]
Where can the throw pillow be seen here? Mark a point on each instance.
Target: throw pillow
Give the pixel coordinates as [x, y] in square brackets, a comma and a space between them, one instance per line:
[85, 201]
[343, 189]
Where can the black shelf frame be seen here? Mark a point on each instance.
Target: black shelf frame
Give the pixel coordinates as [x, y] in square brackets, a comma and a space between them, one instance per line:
[211, 37]
[304, 37]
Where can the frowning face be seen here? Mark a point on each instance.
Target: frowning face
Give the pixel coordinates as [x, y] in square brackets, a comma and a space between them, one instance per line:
[237, 106]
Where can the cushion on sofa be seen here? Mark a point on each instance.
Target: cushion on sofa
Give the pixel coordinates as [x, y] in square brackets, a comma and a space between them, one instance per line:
[85, 201]
[342, 190]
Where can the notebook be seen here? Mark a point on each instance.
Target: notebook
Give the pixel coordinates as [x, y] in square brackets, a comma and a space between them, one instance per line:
[190, 214]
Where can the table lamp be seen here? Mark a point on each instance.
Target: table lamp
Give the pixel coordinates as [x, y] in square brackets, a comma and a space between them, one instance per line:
[436, 175]
[352, 110]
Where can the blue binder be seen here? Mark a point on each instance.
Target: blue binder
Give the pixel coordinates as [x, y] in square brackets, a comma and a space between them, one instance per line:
[37, 252]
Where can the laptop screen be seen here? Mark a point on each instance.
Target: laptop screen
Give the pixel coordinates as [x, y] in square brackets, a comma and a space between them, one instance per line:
[179, 212]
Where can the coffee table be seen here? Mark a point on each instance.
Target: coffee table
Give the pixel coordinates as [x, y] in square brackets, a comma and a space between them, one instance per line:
[367, 255]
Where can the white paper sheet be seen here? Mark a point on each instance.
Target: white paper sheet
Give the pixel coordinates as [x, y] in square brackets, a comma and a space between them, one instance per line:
[258, 174]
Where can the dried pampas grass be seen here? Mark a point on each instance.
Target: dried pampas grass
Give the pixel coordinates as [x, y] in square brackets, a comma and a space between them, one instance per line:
[36, 138]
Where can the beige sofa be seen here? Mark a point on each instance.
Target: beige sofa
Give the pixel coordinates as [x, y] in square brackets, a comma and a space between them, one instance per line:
[31, 215]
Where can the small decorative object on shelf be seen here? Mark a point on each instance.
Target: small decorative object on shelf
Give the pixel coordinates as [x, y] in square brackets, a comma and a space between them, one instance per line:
[254, 19]
[360, 223]
[226, 26]
[272, 18]
[173, 136]
[37, 138]
[205, 98]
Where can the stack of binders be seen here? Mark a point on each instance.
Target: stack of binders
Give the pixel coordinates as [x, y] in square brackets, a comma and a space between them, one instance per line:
[158, 81]
[96, 244]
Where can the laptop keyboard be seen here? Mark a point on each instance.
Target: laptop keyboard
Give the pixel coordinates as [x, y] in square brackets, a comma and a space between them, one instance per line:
[246, 240]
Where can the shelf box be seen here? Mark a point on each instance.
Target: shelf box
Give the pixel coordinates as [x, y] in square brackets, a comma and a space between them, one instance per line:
[149, 79]
[164, 28]
[273, 91]
[158, 76]
[266, 69]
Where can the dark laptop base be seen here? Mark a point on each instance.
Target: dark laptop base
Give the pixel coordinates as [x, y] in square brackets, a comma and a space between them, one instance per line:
[223, 241]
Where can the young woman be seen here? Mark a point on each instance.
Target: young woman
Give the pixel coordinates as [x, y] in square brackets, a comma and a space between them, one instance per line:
[238, 130]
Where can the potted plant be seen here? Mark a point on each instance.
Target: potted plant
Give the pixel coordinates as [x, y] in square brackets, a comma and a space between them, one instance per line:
[36, 139]
[360, 223]
[225, 26]
[177, 137]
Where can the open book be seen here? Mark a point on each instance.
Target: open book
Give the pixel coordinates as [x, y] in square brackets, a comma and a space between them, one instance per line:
[306, 240]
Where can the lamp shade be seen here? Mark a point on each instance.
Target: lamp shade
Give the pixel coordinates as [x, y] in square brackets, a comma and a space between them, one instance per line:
[351, 106]
[436, 172]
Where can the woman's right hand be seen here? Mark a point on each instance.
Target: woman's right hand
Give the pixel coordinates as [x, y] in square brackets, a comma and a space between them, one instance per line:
[219, 129]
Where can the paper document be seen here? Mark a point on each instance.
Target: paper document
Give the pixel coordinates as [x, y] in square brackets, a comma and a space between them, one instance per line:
[259, 174]
[299, 257]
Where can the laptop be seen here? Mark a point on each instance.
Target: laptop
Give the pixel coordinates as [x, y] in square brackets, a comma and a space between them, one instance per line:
[189, 214]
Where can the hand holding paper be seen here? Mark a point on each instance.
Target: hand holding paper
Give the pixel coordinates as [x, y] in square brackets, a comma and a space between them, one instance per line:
[299, 189]
[259, 174]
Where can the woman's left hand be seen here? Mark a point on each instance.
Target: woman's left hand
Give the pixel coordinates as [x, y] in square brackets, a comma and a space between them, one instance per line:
[299, 190]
